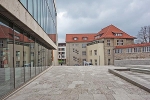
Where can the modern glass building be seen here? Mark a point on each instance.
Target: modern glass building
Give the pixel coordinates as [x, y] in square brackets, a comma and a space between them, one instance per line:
[25, 48]
[44, 12]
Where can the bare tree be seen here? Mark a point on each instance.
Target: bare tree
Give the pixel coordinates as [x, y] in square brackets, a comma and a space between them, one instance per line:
[144, 35]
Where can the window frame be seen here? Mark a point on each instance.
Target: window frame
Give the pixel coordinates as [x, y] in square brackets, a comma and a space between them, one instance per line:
[95, 52]
[108, 42]
[119, 42]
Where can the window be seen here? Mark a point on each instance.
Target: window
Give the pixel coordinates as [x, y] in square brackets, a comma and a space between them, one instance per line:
[118, 34]
[1, 43]
[146, 49]
[108, 51]
[83, 45]
[62, 55]
[96, 37]
[1, 53]
[17, 63]
[32, 46]
[76, 44]
[90, 52]
[17, 53]
[83, 52]
[119, 42]
[75, 38]
[108, 42]
[95, 61]
[84, 38]
[32, 53]
[108, 61]
[137, 49]
[72, 44]
[118, 50]
[63, 49]
[24, 62]
[95, 52]
[83, 60]
[1, 64]
[129, 50]
[16, 37]
[91, 60]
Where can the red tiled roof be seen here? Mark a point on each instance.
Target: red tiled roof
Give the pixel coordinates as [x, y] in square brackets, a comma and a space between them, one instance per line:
[6, 32]
[109, 31]
[52, 37]
[132, 46]
[89, 36]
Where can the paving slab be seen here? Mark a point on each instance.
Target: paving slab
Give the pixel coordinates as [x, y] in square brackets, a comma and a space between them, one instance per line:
[80, 83]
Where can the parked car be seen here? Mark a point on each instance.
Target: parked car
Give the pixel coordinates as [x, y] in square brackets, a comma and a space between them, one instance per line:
[76, 65]
[26, 65]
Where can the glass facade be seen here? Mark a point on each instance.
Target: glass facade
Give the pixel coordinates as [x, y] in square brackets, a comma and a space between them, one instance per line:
[44, 12]
[21, 55]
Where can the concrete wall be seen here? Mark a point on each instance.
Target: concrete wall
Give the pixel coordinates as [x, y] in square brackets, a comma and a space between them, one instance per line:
[127, 62]
[55, 58]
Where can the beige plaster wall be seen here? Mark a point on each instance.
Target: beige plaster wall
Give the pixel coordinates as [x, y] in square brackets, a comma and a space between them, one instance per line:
[100, 53]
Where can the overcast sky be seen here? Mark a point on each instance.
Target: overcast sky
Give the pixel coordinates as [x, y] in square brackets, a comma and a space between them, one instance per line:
[90, 16]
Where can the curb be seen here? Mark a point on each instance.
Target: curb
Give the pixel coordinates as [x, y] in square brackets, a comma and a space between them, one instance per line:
[130, 79]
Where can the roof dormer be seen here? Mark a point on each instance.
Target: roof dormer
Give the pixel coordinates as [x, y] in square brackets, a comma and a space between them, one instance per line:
[84, 38]
[75, 38]
[117, 34]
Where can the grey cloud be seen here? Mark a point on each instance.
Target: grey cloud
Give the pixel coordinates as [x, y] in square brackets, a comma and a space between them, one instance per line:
[85, 16]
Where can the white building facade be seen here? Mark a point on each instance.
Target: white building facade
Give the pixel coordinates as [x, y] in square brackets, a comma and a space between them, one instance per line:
[62, 53]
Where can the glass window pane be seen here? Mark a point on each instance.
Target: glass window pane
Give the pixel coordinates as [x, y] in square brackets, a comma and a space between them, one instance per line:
[27, 58]
[35, 9]
[32, 56]
[30, 7]
[39, 11]
[24, 2]
[36, 58]
[6, 62]
[18, 57]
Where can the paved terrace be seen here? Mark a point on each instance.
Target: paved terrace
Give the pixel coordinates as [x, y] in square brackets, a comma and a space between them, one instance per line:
[80, 83]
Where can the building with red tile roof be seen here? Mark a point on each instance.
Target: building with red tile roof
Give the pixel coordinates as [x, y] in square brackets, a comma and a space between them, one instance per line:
[109, 37]
[132, 46]
[132, 51]
[84, 37]
[112, 31]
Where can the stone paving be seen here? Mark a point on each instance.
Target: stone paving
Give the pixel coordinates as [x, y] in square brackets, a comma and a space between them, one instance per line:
[139, 76]
[80, 83]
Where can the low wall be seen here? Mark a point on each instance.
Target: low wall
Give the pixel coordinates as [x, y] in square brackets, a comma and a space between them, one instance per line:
[127, 62]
